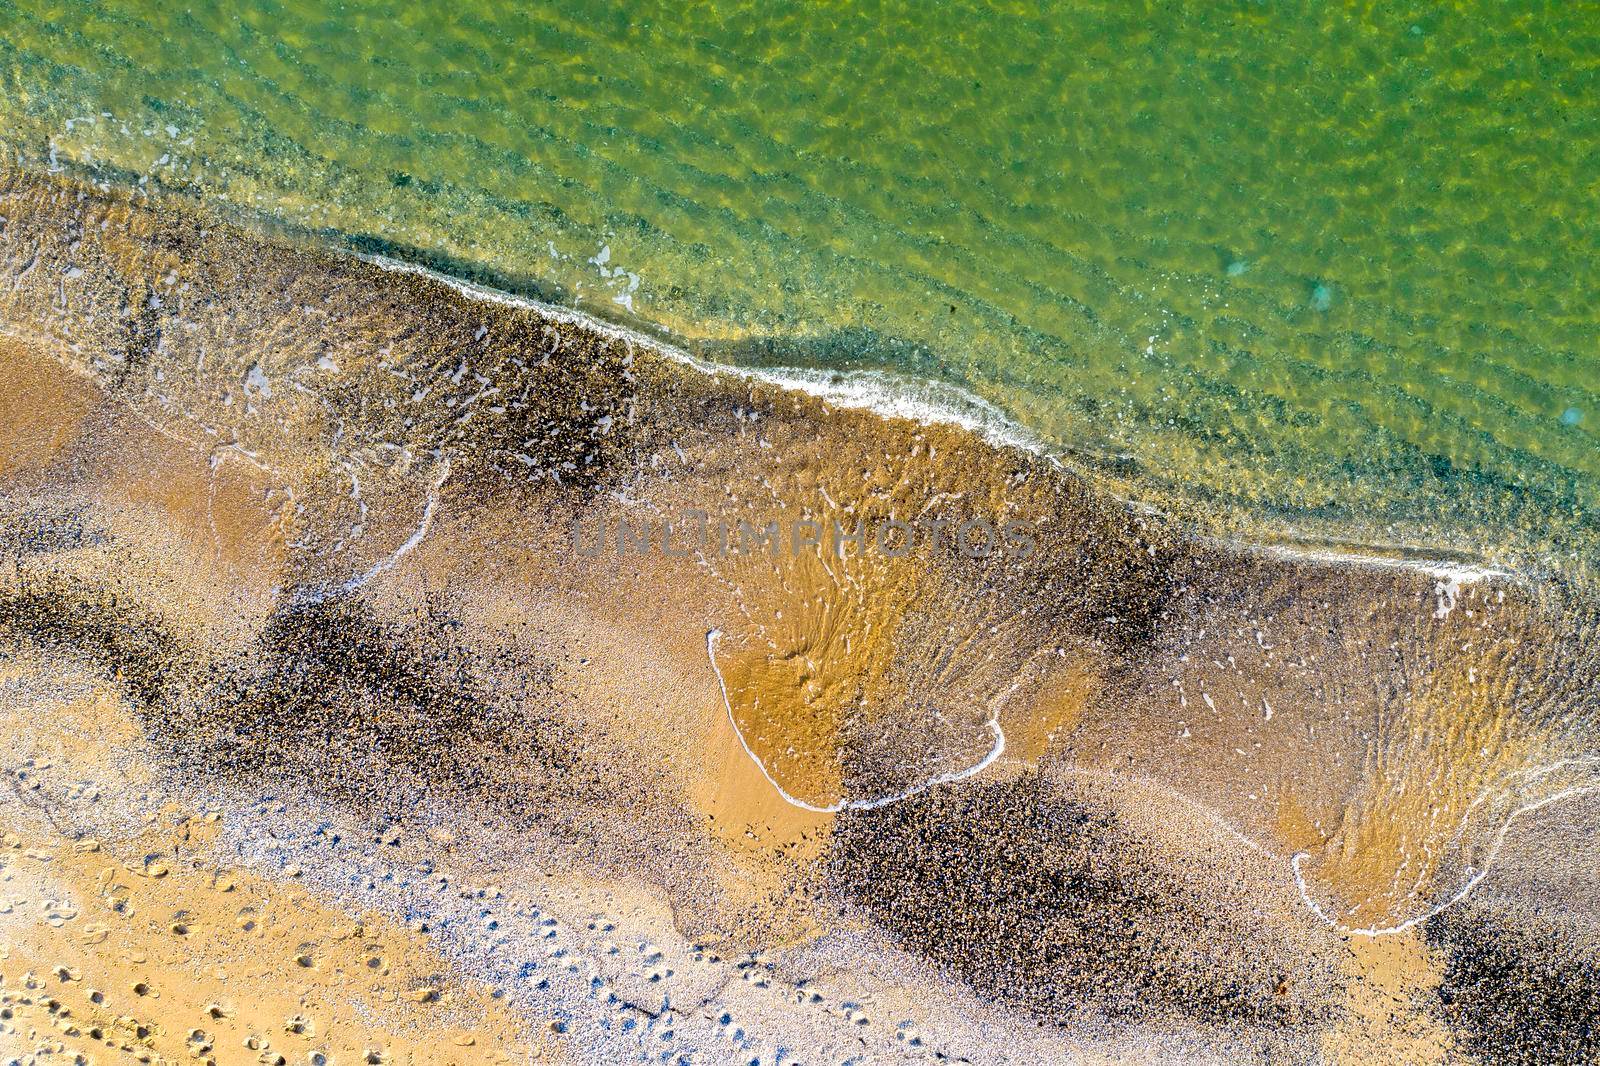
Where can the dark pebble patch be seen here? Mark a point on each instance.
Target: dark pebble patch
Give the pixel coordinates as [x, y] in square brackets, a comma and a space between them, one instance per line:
[1516, 997]
[1036, 900]
[133, 649]
[380, 713]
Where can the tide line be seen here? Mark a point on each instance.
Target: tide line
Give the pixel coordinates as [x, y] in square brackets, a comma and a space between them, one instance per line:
[997, 750]
[894, 396]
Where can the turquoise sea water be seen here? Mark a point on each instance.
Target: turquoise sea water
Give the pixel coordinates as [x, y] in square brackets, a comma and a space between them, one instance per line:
[1297, 268]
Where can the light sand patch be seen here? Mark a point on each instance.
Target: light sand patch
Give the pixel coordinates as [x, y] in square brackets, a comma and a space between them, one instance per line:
[1389, 1010]
[42, 407]
[147, 950]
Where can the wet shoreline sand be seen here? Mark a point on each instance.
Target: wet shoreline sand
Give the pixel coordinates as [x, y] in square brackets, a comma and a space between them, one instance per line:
[331, 501]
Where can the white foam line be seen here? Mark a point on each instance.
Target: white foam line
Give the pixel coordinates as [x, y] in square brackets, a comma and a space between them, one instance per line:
[1475, 876]
[1442, 569]
[1195, 806]
[389, 561]
[885, 394]
[893, 396]
[888, 395]
[1215, 819]
[978, 767]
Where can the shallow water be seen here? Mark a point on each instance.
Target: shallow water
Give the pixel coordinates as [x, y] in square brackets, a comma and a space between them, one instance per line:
[1295, 268]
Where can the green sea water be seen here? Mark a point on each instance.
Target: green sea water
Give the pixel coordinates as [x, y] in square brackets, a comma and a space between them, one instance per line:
[1310, 269]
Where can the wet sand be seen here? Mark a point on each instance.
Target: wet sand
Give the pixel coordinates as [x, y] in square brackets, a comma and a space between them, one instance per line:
[304, 526]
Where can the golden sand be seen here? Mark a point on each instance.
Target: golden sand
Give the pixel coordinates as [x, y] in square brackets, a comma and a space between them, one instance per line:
[170, 959]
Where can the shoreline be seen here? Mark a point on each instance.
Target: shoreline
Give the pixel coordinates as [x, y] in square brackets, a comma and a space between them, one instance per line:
[874, 392]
